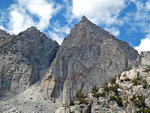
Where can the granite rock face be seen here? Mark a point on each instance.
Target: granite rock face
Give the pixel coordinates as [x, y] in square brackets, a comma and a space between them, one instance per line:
[22, 56]
[88, 56]
[4, 37]
[144, 58]
[33, 45]
[128, 93]
[16, 75]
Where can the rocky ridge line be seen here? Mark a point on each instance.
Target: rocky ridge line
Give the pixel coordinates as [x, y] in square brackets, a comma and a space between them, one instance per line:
[22, 58]
[88, 56]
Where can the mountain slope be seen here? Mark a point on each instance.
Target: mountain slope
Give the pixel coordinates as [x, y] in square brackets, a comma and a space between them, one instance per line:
[88, 56]
[127, 93]
[22, 57]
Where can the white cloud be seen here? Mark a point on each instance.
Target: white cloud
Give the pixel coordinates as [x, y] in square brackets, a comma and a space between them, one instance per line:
[61, 29]
[144, 45]
[27, 13]
[148, 5]
[59, 32]
[1, 27]
[42, 9]
[139, 22]
[114, 31]
[99, 11]
[55, 36]
[19, 20]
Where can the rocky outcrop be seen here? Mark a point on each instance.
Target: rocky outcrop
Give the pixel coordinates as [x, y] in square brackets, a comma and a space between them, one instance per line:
[4, 37]
[144, 58]
[33, 45]
[127, 93]
[88, 56]
[16, 75]
[22, 57]
[75, 109]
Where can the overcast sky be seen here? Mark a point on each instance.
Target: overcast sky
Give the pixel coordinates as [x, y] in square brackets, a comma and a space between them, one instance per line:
[128, 20]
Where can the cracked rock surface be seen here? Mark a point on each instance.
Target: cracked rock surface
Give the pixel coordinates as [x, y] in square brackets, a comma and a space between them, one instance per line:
[22, 57]
[88, 56]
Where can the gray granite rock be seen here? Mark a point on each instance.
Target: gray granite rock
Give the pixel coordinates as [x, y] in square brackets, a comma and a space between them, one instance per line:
[133, 98]
[144, 58]
[33, 45]
[74, 109]
[16, 75]
[22, 57]
[88, 56]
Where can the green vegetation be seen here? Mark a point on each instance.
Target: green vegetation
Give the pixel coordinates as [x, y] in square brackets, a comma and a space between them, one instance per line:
[71, 103]
[139, 101]
[112, 98]
[145, 85]
[147, 69]
[127, 79]
[114, 88]
[81, 97]
[147, 110]
[129, 68]
[103, 94]
[106, 88]
[148, 86]
[113, 80]
[119, 76]
[133, 98]
[136, 81]
[72, 112]
[95, 92]
[117, 99]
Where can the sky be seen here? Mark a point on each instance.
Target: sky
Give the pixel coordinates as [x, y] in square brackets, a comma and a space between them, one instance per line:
[127, 20]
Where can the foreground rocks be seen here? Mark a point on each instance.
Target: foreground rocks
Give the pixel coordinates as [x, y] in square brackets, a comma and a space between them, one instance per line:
[127, 93]
[88, 56]
[29, 101]
[22, 58]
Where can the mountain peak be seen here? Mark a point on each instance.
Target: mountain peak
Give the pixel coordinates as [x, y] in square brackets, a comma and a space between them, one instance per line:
[84, 18]
[82, 59]
[32, 31]
[3, 33]
[32, 28]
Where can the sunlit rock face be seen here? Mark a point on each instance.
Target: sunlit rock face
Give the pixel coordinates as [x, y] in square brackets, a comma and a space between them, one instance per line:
[144, 58]
[88, 56]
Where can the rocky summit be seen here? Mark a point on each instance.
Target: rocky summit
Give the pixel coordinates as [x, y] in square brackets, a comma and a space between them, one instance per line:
[88, 56]
[22, 57]
[91, 72]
